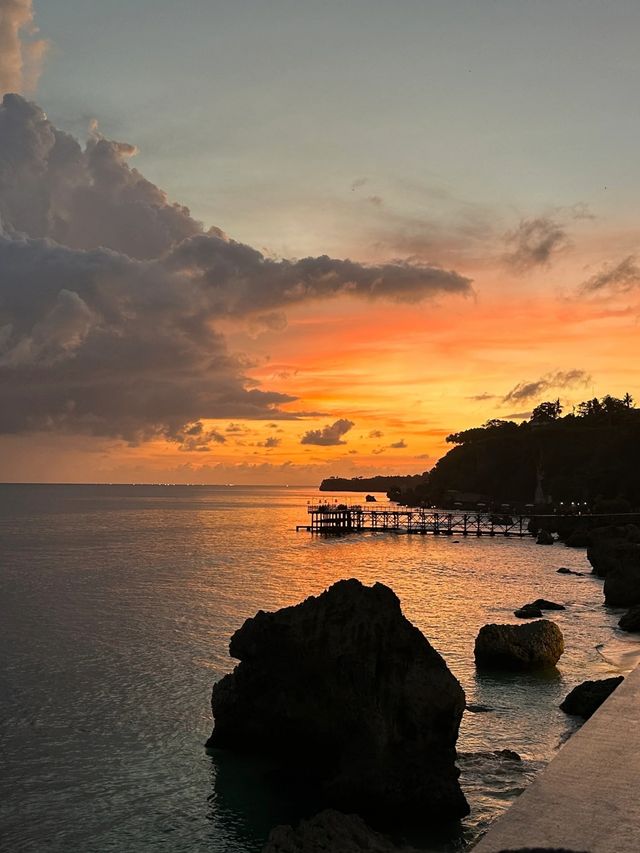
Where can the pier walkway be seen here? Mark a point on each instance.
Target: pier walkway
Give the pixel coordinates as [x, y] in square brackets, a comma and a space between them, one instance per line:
[342, 518]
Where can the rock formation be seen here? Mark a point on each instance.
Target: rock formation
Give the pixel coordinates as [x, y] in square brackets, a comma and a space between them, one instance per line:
[622, 583]
[351, 699]
[585, 699]
[536, 645]
[330, 831]
[631, 620]
[608, 546]
[544, 537]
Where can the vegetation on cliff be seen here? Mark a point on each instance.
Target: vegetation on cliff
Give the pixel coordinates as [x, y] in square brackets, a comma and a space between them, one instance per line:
[588, 455]
[371, 484]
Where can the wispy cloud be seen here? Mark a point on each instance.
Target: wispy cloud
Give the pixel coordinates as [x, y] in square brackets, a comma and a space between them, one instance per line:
[534, 243]
[623, 276]
[524, 391]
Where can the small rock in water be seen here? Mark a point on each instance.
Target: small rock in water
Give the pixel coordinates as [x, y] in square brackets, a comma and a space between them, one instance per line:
[631, 620]
[544, 538]
[474, 708]
[536, 645]
[585, 699]
[544, 604]
[529, 611]
[563, 570]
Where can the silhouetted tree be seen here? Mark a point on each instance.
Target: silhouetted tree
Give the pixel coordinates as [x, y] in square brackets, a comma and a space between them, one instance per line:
[546, 412]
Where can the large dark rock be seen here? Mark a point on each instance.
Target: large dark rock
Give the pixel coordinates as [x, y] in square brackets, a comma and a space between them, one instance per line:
[608, 545]
[622, 584]
[585, 699]
[577, 539]
[348, 696]
[544, 537]
[631, 620]
[330, 831]
[535, 645]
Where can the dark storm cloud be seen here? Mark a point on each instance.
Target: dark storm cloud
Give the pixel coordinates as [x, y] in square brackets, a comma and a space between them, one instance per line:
[240, 280]
[328, 436]
[109, 295]
[559, 379]
[621, 277]
[534, 243]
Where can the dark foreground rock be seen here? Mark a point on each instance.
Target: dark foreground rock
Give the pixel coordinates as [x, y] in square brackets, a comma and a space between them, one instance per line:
[351, 700]
[563, 570]
[475, 708]
[631, 620]
[533, 646]
[330, 831]
[585, 699]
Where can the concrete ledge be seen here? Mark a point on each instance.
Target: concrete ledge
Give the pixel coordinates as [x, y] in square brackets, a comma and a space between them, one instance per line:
[588, 797]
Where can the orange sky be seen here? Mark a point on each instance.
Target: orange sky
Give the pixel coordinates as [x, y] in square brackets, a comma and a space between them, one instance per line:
[405, 375]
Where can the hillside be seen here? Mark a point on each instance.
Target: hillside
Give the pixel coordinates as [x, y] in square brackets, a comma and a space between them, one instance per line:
[588, 455]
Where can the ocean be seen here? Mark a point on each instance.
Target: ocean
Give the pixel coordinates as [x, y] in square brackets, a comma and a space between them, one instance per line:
[116, 608]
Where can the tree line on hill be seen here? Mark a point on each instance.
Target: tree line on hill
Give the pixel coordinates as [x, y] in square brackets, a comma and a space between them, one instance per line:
[588, 455]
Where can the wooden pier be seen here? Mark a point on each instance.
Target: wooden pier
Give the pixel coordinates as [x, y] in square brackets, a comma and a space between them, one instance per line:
[341, 518]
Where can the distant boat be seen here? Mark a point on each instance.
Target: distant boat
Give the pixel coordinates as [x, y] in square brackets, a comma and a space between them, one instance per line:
[370, 499]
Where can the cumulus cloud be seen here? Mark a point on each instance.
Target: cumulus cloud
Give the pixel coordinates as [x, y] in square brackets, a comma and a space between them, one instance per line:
[559, 379]
[376, 433]
[328, 436]
[110, 294]
[534, 243]
[620, 277]
[21, 52]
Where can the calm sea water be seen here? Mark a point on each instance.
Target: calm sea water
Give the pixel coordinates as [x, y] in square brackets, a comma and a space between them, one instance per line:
[116, 608]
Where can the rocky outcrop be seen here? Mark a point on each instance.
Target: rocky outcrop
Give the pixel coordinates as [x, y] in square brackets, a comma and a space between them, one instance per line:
[330, 831]
[609, 545]
[622, 584]
[544, 537]
[348, 696]
[631, 620]
[536, 645]
[622, 587]
[585, 699]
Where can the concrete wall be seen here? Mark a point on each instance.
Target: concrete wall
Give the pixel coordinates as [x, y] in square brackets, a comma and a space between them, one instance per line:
[588, 798]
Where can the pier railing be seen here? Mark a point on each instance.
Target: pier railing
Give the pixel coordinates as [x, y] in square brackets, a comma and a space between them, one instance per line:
[354, 518]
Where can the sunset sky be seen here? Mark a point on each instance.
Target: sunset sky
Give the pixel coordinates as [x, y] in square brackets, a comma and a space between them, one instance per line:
[268, 242]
